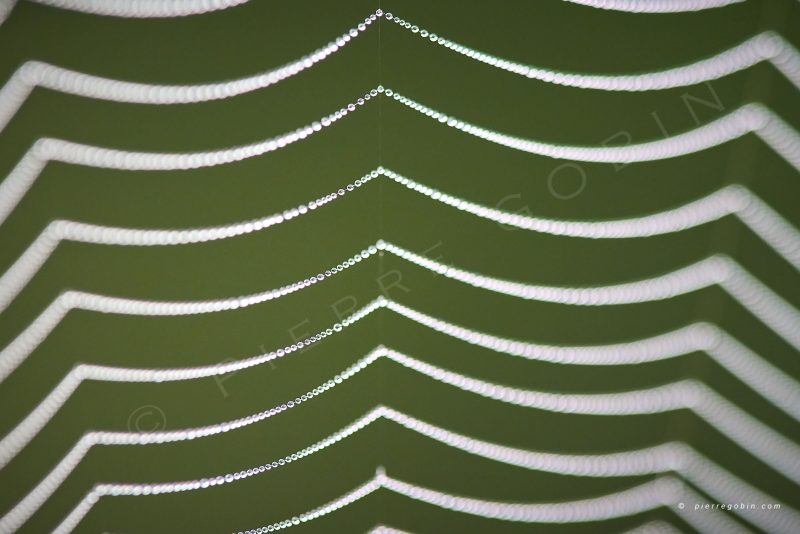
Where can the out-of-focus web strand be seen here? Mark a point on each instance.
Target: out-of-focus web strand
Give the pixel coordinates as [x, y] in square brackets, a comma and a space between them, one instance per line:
[737, 425]
[647, 496]
[383, 529]
[651, 527]
[766, 46]
[19, 349]
[772, 383]
[716, 522]
[750, 118]
[144, 9]
[181, 8]
[655, 527]
[34, 74]
[539, 513]
[23, 175]
[653, 6]
[735, 200]
[716, 270]
[514, 512]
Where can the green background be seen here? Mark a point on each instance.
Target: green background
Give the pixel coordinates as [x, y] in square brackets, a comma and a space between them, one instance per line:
[263, 34]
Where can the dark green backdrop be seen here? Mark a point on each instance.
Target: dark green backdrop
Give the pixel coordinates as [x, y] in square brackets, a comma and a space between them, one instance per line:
[264, 34]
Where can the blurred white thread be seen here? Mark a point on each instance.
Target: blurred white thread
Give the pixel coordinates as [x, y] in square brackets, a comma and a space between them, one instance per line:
[19, 349]
[377, 529]
[143, 8]
[34, 74]
[46, 149]
[655, 6]
[765, 46]
[772, 383]
[730, 200]
[750, 118]
[663, 491]
[714, 522]
[720, 270]
[755, 437]
[183, 8]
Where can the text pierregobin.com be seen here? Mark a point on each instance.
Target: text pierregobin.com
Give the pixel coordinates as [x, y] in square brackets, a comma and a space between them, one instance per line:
[737, 506]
